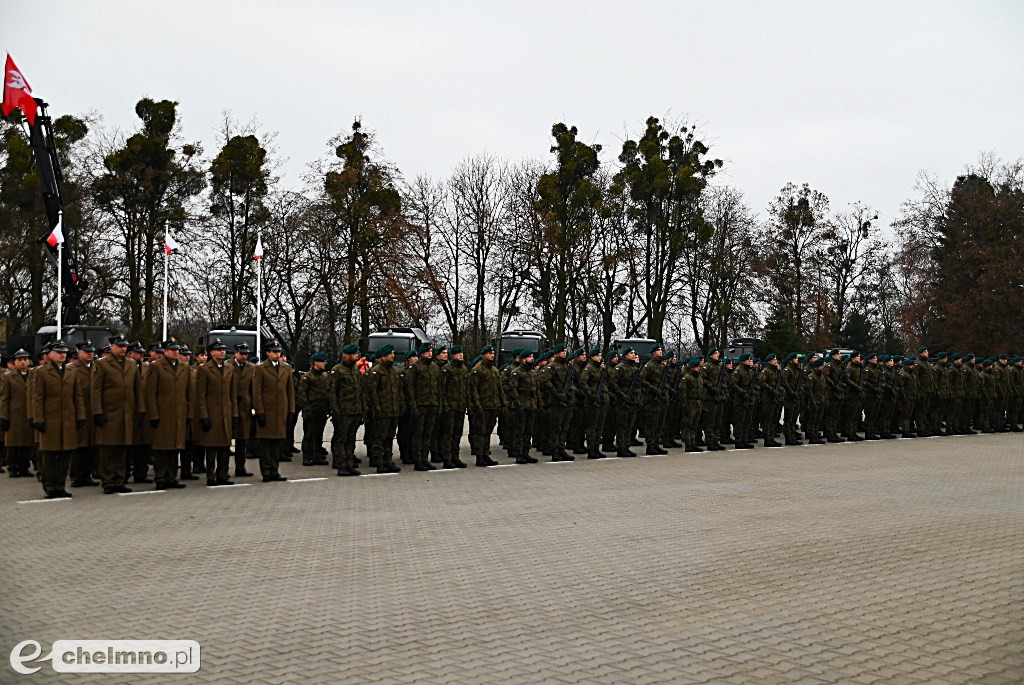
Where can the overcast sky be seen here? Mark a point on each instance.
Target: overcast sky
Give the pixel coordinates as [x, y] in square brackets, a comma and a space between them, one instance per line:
[854, 98]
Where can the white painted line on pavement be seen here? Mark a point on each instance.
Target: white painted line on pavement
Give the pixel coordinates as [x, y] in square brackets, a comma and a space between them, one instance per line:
[501, 466]
[305, 480]
[36, 501]
[558, 462]
[144, 492]
[374, 475]
[224, 487]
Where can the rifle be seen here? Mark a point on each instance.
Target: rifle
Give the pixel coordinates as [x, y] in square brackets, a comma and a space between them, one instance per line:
[680, 372]
[567, 387]
[602, 382]
[661, 384]
[841, 386]
[634, 384]
[754, 385]
[801, 380]
[778, 385]
[721, 382]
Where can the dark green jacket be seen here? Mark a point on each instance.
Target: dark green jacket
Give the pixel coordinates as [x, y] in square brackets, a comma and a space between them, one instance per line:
[456, 386]
[315, 389]
[347, 395]
[386, 397]
[485, 391]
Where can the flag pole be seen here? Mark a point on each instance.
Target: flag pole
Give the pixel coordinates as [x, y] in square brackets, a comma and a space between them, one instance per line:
[259, 299]
[60, 287]
[167, 257]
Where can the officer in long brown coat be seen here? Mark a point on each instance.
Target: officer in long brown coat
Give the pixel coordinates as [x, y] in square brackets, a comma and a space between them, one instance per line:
[273, 399]
[217, 412]
[118, 405]
[19, 441]
[58, 413]
[169, 410]
[84, 462]
[244, 372]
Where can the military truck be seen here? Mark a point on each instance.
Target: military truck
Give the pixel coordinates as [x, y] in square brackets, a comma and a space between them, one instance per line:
[232, 334]
[641, 345]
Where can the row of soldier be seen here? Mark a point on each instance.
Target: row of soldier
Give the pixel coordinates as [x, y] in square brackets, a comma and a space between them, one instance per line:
[114, 416]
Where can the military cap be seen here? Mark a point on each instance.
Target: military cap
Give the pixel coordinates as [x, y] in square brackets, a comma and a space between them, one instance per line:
[526, 352]
[476, 360]
[118, 339]
[22, 354]
[712, 351]
[743, 357]
[274, 346]
[654, 347]
[242, 347]
[58, 346]
[426, 347]
[727, 360]
[85, 346]
[253, 359]
[817, 362]
[922, 348]
[543, 355]
[611, 354]
[216, 344]
[409, 355]
[1002, 356]
[770, 356]
[694, 362]
[757, 360]
[625, 350]
[986, 362]
[845, 358]
[318, 357]
[580, 352]
[351, 348]
[385, 350]
[871, 355]
[594, 351]
[942, 355]
[455, 349]
[790, 357]
[370, 356]
[910, 361]
[185, 351]
[156, 347]
[170, 345]
[969, 356]
[956, 356]
[833, 352]
[855, 354]
[105, 350]
[557, 348]
[485, 349]
[668, 354]
[137, 347]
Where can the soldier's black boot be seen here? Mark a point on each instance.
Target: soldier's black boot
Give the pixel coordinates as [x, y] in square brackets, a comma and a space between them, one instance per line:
[672, 444]
[435, 458]
[595, 455]
[566, 456]
[459, 464]
[772, 442]
[609, 448]
[693, 448]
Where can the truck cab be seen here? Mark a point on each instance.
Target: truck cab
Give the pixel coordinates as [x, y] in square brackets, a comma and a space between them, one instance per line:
[233, 334]
[402, 338]
[515, 339]
[641, 345]
[72, 335]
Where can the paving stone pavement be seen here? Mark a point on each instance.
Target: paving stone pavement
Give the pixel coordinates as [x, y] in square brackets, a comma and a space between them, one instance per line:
[889, 562]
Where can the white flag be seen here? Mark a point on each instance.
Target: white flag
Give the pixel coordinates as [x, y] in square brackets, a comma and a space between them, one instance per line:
[170, 244]
[56, 236]
[258, 254]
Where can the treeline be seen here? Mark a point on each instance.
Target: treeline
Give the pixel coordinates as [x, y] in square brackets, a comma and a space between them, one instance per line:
[651, 245]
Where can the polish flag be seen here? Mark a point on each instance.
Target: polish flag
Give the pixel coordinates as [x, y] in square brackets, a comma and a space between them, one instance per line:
[170, 244]
[56, 236]
[17, 92]
[258, 254]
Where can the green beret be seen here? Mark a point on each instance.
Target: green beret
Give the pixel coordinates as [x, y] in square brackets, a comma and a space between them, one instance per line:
[883, 358]
[625, 350]
[318, 357]
[743, 357]
[770, 356]
[611, 354]
[790, 357]
[668, 355]
[476, 360]
[727, 360]
[594, 351]
[351, 348]
[557, 348]
[855, 354]
[655, 346]
[968, 357]
[909, 361]
[845, 358]
[370, 356]
[833, 352]
[455, 349]
[942, 355]
[526, 352]
[579, 352]
[871, 355]
[385, 350]
[409, 355]
[440, 349]
[1002, 356]
[712, 351]
[757, 360]
[485, 349]
[817, 362]
[987, 362]
[922, 348]
[694, 362]
[426, 347]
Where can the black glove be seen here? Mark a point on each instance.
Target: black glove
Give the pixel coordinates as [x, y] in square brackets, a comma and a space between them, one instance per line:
[205, 425]
[234, 423]
[79, 424]
[153, 423]
[40, 426]
[261, 419]
[292, 416]
[139, 416]
[100, 420]
[5, 425]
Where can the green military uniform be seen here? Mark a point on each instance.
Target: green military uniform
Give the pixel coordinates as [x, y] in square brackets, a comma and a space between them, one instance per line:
[596, 400]
[424, 394]
[654, 392]
[577, 421]
[742, 385]
[772, 396]
[486, 398]
[793, 381]
[836, 378]
[314, 393]
[456, 402]
[713, 393]
[869, 385]
[386, 399]
[818, 392]
[692, 399]
[624, 382]
[522, 403]
[348, 406]
[909, 394]
[557, 383]
[407, 421]
[853, 401]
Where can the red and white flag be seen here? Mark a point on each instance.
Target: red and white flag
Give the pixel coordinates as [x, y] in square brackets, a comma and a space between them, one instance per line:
[17, 92]
[170, 244]
[56, 236]
[258, 254]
